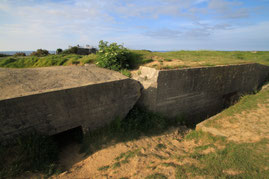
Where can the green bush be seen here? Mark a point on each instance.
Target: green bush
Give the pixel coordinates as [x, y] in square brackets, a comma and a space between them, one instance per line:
[113, 56]
[40, 53]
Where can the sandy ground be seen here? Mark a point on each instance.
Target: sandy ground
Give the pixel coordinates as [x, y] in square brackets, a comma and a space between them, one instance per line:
[148, 158]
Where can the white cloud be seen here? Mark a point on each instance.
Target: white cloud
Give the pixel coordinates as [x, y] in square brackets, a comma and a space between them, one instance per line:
[51, 24]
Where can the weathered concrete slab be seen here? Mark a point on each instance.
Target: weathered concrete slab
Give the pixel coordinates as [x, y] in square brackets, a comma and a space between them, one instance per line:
[198, 93]
[28, 81]
[55, 99]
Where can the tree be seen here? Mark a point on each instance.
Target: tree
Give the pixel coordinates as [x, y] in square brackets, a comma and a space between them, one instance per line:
[59, 50]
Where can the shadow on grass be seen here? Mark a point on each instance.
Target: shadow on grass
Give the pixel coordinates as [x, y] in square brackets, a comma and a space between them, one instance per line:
[138, 58]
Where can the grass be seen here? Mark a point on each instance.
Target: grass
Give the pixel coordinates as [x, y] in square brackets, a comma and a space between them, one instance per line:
[127, 155]
[245, 160]
[141, 57]
[31, 152]
[137, 123]
[126, 72]
[156, 176]
[217, 57]
[116, 165]
[202, 136]
[202, 58]
[50, 60]
[103, 168]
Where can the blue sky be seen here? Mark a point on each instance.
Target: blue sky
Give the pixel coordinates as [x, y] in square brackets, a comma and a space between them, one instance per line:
[138, 24]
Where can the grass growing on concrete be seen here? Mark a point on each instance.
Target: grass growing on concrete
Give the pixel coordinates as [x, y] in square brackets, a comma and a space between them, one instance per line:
[31, 152]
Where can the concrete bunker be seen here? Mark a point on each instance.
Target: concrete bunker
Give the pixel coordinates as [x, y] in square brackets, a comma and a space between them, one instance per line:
[60, 100]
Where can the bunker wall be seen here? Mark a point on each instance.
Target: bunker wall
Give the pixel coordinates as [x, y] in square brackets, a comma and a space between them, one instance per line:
[49, 113]
[197, 93]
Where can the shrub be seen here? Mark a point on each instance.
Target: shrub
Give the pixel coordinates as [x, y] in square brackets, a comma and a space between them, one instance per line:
[18, 54]
[59, 50]
[113, 56]
[40, 53]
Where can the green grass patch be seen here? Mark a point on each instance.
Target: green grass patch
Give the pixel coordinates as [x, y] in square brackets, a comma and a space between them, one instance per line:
[103, 168]
[156, 176]
[126, 72]
[204, 136]
[167, 60]
[127, 155]
[116, 165]
[245, 160]
[216, 57]
[50, 60]
[31, 152]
